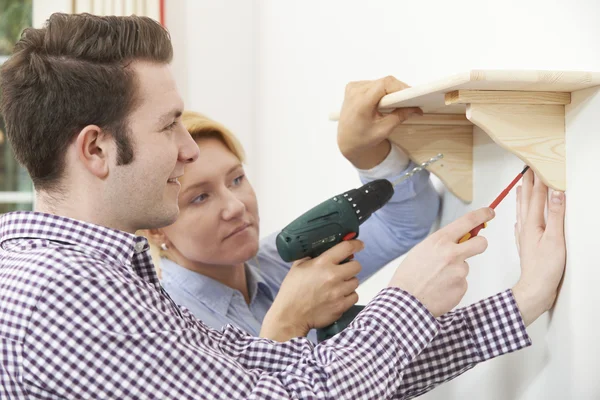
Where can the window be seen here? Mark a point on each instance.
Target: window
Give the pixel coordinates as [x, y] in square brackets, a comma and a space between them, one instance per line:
[16, 189]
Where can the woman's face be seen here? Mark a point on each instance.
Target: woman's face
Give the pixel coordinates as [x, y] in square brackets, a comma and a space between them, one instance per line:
[218, 213]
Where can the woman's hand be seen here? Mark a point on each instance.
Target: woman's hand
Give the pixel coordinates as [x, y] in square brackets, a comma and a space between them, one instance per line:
[315, 293]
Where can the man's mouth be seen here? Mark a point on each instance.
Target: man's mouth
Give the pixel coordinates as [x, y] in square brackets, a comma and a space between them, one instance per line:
[173, 180]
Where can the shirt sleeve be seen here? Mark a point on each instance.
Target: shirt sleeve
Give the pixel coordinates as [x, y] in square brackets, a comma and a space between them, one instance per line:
[467, 337]
[118, 339]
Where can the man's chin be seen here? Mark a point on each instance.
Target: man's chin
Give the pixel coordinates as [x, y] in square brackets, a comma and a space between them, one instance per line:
[164, 217]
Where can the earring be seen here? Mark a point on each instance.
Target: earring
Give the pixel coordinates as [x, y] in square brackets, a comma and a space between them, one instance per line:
[164, 247]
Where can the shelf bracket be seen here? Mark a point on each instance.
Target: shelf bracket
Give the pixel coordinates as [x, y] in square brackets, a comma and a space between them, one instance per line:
[530, 125]
[450, 134]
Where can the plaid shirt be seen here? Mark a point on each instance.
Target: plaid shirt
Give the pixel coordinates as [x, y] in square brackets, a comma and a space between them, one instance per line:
[82, 316]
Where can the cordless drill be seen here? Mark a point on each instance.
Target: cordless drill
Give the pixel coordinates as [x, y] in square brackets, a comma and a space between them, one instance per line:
[333, 221]
[328, 224]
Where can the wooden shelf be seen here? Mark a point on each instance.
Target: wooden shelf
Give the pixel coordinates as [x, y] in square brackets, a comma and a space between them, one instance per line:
[522, 111]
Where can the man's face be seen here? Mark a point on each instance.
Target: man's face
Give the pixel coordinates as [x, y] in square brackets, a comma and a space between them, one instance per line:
[144, 192]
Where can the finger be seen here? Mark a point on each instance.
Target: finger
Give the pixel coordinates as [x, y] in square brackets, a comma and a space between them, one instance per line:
[518, 224]
[472, 247]
[457, 229]
[390, 121]
[517, 239]
[355, 85]
[350, 286]
[348, 270]
[384, 86]
[526, 189]
[350, 300]
[537, 204]
[342, 251]
[555, 227]
[391, 84]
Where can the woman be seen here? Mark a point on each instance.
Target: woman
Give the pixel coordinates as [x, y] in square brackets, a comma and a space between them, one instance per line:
[213, 264]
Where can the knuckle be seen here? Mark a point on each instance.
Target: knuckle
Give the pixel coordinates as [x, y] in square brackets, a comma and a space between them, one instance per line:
[464, 271]
[473, 218]
[339, 308]
[464, 287]
[450, 254]
[350, 86]
[331, 276]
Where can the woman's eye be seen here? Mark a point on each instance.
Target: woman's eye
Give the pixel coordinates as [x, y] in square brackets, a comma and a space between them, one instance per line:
[238, 181]
[200, 199]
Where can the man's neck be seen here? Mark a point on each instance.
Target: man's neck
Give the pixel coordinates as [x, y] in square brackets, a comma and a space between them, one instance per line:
[75, 207]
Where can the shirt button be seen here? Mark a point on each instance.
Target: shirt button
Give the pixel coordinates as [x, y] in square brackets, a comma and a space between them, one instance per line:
[139, 247]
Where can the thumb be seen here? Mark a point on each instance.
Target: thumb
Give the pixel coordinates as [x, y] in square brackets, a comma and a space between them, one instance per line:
[555, 223]
[390, 121]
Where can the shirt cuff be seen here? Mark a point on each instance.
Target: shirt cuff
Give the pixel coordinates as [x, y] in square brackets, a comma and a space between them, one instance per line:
[498, 326]
[404, 317]
[395, 163]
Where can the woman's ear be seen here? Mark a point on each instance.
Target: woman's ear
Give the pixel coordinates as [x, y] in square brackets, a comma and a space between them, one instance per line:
[155, 236]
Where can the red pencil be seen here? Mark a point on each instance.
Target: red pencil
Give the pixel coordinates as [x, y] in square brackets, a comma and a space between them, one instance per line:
[494, 204]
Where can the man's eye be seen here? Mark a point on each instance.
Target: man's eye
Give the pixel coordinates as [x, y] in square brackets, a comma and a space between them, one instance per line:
[171, 126]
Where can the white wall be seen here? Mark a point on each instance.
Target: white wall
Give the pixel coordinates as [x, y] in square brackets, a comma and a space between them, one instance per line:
[215, 63]
[309, 50]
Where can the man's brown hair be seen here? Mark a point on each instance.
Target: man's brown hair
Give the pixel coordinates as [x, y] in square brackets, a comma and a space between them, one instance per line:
[73, 72]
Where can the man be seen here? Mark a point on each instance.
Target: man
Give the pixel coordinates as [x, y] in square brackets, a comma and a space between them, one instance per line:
[92, 112]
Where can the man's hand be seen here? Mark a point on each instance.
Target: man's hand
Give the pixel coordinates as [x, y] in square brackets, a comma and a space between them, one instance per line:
[435, 270]
[362, 129]
[541, 246]
[315, 293]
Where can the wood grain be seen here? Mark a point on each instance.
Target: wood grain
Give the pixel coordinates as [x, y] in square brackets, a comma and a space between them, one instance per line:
[506, 97]
[534, 133]
[455, 142]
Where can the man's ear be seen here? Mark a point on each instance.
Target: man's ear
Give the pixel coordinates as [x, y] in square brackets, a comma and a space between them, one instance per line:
[93, 147]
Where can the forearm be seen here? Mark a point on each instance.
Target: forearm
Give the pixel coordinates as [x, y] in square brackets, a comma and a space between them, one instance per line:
[467, 337]
[369, 158]
[277, 327]
[365, 360]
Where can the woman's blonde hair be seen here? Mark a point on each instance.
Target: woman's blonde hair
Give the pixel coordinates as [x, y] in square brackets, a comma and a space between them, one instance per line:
[199, 126]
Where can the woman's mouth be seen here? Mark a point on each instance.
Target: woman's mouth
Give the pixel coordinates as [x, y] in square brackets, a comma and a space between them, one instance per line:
[237, 230]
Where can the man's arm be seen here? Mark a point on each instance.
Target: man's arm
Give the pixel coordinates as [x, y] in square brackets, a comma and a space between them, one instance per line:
[467, 336]
[118, 339]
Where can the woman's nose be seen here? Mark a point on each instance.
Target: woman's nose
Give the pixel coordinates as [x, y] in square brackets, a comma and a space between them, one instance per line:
[234, 207]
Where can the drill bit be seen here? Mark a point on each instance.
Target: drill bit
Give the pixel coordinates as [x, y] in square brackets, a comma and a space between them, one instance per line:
[417, 169]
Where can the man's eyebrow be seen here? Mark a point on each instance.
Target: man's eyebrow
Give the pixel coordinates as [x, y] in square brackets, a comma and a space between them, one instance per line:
[168, 116]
